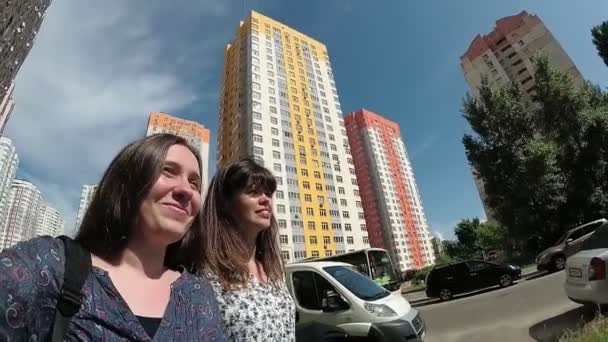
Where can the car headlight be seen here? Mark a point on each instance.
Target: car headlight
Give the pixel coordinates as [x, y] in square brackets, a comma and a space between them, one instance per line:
[379, 310]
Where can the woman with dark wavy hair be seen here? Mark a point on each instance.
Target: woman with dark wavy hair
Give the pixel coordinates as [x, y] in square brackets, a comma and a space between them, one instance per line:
[242, 256]
[142, 233]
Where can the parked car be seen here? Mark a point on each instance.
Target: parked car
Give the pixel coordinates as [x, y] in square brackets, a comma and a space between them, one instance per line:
[336, 294]
[554, 258]
[445, 281]
[586, 281]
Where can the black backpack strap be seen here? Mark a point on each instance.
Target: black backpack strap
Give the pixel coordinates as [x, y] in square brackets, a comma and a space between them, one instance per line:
[77, 269]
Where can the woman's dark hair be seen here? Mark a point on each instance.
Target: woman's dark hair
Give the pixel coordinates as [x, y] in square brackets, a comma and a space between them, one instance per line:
[224, 250]
[106, 227]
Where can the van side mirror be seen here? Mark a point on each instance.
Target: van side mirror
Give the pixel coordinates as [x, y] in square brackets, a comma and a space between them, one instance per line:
[331, 301]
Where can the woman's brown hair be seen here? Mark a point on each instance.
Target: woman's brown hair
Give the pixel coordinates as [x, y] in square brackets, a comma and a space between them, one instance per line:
[224, 250]
[106, 227]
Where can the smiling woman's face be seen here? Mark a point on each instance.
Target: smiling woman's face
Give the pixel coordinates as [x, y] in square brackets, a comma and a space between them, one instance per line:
[174, 200]
[254, 209]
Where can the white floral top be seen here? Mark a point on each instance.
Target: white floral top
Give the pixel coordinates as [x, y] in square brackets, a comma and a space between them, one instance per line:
[256, 313]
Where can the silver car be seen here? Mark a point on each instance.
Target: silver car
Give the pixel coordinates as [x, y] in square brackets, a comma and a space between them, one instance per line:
[554, 257]
[586, 279]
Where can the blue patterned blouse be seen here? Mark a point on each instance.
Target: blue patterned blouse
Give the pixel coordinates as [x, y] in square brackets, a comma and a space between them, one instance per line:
[31, 276]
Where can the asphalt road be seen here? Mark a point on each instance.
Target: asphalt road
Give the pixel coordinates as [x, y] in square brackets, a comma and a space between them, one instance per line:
[531, 310]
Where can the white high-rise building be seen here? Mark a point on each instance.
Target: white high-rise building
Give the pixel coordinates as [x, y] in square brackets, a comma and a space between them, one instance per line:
[23, 216]
[9, 162]
[50, 222]
[7, 103]
[86, 196]
[279, 104]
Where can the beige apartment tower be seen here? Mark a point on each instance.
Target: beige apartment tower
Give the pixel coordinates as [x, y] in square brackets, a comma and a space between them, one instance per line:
[505, 55]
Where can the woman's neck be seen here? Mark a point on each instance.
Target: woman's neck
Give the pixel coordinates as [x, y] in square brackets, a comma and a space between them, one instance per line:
[142, 257]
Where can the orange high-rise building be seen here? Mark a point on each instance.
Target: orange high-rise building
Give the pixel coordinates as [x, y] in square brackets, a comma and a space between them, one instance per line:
[391, 202]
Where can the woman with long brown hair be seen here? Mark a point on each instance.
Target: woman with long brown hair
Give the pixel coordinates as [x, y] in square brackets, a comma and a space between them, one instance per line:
[139, 238]
[242, 256]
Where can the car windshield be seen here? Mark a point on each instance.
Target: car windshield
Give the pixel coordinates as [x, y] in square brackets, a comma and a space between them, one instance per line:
[357, 283]
[562, 239]
[599, 239]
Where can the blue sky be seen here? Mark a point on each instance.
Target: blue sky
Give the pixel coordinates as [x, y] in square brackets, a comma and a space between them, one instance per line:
[96, 72]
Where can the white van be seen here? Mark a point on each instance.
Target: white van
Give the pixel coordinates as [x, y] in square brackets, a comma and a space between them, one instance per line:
[336, 294]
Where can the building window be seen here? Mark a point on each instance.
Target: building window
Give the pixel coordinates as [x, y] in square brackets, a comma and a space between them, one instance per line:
[258, 150]
[314, 254]
[277, 167]
[343, 202]
[275, 143]
[328, 253]
[350, 240]
[309, 211]
[324, 225]
[283, 239]
[274, 131]
[257, 126]
[276, 154]
[280, 209]
[257, 138]
[345, 214]
[326, 240]
[279, 194]
[311, 225]
[347, 227]
[285, 256]
[307, 198]
[313, 240]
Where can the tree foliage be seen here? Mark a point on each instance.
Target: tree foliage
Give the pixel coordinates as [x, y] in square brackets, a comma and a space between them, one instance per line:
[543, 158]
[600, 40]
[473, 239]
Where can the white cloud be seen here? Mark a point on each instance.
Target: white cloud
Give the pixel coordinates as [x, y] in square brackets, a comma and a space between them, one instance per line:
[96, 70]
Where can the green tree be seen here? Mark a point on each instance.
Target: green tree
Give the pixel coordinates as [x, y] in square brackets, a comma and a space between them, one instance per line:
[473, 238]
[543, 158]
[600, 40]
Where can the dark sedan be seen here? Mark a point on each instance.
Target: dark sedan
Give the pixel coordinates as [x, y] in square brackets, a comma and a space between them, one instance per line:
[447, 280]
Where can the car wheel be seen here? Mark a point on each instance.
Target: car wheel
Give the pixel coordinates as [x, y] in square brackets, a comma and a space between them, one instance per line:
[505, 280]
[445, 294]
[559, 263]
[591, 310]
